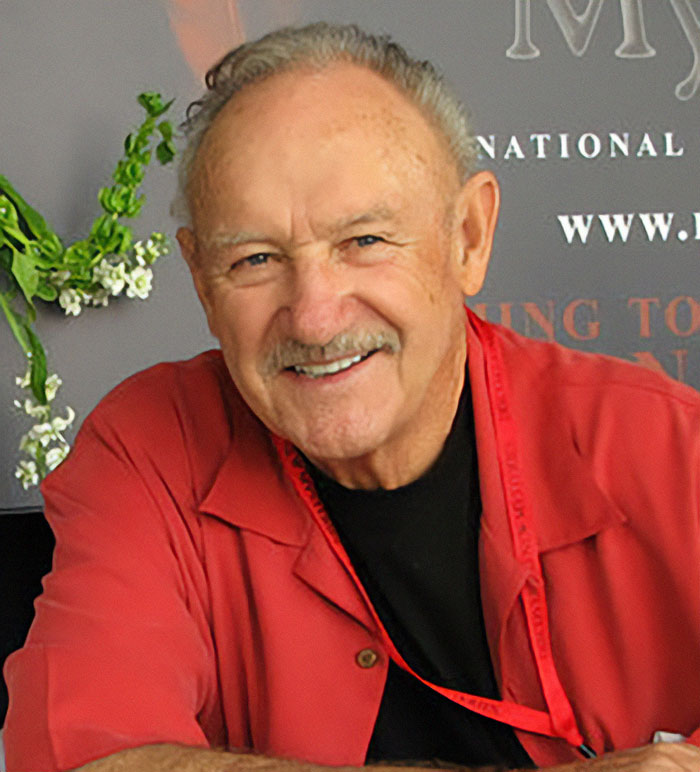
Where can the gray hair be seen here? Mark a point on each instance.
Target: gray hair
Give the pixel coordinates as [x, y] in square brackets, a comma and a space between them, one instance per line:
[319, 45]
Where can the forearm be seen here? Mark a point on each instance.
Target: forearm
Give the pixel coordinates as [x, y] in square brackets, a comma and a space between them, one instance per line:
[661, 757]
[177, 758]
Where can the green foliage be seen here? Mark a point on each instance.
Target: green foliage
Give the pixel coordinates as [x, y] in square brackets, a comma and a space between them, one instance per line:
[35, 264]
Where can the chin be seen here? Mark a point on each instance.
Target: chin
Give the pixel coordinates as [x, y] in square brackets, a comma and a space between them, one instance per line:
[339, 439]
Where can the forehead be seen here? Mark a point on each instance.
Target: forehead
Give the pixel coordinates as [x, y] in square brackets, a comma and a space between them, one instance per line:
[325, 125]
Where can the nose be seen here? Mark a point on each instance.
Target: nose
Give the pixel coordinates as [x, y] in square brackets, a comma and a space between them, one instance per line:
[317, 300]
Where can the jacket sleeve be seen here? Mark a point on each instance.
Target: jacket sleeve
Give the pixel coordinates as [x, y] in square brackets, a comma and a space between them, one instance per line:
[119, 654]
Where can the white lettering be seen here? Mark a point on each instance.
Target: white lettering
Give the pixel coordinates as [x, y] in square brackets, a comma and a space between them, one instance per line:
[564, 146]
[575, 225]
[595, 145]
[670, 151]
[616, 223]
[576, 28]
[634, 44]
[621, 143]
[696, 215]
[539, 140]
[522, 47]
[691, 26]
[487, 144]
[545, 145]
[657, 222]
[646, 147]
[514, 149]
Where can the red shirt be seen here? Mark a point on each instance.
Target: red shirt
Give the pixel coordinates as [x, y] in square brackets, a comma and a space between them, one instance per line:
[194, 600]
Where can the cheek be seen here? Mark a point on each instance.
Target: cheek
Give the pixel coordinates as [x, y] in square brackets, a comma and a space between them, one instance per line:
[242, 319]
[423, 285]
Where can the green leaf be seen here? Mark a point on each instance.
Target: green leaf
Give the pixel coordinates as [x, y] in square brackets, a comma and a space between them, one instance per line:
[34, 220]
[129, 172]
[129, 144]
[153, 103]
[101, 230]
[47, 292]
[38, 366]
[79, 254]
[165, 151]
[123, 236]
[8, 213]
[6, 259]
[50, 247]
[16, 322]
[166, 130]
[140, 146]
[24, 270]
[104, 196]
[135, 206]
[148, 127]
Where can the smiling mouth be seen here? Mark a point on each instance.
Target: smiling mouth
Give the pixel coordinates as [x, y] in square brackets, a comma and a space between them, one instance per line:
[330, 368]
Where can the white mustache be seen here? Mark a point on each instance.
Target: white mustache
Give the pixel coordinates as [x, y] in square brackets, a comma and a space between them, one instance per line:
[293, 352]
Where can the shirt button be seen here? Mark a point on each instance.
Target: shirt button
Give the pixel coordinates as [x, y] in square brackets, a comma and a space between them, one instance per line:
[367, 658]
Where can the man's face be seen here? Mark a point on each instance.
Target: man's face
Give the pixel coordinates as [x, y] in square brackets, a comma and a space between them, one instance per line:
[327, 259]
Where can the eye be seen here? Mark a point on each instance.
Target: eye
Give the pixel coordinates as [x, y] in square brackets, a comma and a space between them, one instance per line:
[368, 240]
[259, 258]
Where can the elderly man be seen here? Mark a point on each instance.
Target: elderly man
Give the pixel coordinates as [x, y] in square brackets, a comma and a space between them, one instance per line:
[373, 527]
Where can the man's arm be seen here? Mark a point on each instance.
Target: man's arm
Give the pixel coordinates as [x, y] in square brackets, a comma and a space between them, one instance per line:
[660, 757]
[119, 653]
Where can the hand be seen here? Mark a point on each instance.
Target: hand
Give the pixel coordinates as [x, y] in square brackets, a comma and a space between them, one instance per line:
[659, 757]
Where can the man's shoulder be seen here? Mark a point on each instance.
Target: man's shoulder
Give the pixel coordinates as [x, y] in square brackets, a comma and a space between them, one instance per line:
[171, 417]
[192, 387]
[537, 367]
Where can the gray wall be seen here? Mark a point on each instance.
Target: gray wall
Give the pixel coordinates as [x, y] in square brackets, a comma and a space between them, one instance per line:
[69, 72]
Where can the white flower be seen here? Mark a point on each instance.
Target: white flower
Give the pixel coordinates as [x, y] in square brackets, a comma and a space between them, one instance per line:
[42, 433]
[111, 277]
[29, 446]
[53, 384]
[140, 253]
[27, 473]
[139, 282]
[34, 409]
[61, 424]
[59, 278]
[100, 297]
[55, 456]
[152, 249]
[69, 300]
[24, 381]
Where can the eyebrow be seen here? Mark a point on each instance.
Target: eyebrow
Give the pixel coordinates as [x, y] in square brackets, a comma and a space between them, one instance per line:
[376, 214]
[234, 239]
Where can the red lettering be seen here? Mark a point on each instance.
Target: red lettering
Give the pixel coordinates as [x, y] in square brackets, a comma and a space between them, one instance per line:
[644, 314]
[546, 323]
[672, 316]
[592, 326]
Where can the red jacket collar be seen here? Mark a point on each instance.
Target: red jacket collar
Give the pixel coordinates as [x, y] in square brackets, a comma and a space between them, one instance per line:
[569, 505]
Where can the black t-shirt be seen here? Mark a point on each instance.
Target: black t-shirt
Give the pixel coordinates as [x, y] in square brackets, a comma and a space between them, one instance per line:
[415, 549]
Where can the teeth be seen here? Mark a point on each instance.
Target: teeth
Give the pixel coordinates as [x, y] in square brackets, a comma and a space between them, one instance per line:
[328, 368]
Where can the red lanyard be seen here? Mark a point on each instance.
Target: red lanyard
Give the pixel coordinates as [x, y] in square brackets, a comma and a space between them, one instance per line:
[559, 721]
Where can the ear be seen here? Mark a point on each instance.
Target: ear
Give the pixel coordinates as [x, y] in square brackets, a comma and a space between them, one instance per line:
[188, 248]
[476, 215]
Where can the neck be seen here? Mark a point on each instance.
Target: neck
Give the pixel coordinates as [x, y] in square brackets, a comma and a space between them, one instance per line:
[416, 448]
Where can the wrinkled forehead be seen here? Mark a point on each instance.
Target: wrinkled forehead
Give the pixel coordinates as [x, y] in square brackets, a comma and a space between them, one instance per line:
[298, 114]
